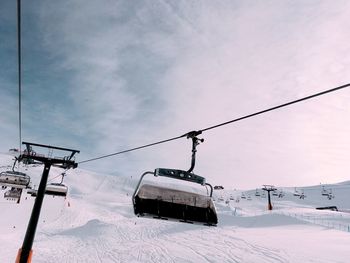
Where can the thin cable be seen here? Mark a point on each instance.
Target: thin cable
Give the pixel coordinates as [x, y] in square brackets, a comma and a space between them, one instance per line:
[222, 124]
[133, 149]
[60, 175]
[19, 73]
[277, 107]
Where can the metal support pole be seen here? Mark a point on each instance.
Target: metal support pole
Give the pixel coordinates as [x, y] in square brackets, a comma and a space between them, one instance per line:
[269, 200]
[24, 254]
[268, 189]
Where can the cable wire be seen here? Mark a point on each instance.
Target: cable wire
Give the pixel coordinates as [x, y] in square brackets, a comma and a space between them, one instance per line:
[60, 175]
[222, 124]
[132, 149]
[278, 107]
[19, 73]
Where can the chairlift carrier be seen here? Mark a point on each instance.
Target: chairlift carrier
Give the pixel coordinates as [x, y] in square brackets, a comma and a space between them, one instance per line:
[325, 192]
[56, 189]
[13, 193]
[168, 203]
[14, 179]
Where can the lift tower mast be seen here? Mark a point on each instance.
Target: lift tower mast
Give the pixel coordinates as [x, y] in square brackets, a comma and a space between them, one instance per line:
[25, 253]
[269, 188]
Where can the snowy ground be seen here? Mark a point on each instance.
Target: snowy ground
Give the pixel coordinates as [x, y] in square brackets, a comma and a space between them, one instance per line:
[96, 224]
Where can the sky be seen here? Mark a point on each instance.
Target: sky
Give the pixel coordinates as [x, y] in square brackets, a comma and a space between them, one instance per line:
[106, 76]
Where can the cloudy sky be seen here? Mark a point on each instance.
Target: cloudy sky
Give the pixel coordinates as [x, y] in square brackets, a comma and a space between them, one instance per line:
[105, 76]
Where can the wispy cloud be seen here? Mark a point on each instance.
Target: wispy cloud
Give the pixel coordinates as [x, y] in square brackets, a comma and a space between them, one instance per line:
[128, 73]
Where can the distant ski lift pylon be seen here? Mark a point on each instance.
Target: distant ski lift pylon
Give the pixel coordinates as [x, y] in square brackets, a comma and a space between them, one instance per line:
[268, 189]
[173, 203]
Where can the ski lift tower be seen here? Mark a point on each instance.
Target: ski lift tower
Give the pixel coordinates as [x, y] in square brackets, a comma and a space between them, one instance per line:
[25, 253]
[269, 188]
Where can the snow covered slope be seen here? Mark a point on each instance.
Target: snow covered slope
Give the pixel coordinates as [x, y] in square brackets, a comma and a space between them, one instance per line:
[95, 223]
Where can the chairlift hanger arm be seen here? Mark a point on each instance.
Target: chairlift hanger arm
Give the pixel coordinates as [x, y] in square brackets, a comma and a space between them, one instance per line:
[195, 143]
[14, 164]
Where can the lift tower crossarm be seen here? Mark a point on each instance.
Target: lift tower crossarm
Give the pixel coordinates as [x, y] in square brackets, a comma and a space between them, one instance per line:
[25, 253]
[28, 144]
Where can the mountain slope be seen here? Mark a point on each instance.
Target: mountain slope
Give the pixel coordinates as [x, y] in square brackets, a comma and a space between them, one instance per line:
[96, 224]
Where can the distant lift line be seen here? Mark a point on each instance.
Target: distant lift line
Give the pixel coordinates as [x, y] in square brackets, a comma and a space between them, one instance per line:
[222, 124]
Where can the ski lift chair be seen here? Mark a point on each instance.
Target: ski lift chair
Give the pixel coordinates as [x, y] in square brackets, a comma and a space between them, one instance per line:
[162, 202]
[13, 193]
[14, 178]
[56, 189]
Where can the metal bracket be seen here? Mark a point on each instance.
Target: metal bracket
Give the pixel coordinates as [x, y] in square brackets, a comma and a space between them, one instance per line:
[179, 174]
[195, 142]
[65, 162]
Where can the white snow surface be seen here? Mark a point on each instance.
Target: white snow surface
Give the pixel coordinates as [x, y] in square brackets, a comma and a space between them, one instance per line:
[95, 223]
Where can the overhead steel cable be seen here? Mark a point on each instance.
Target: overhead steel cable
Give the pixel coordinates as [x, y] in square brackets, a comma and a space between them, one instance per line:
[224, 123]
[19, 73]
[278, 107]
[132, 149]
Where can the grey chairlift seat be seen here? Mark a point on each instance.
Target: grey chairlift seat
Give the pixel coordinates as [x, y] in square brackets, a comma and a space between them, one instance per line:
[13, 193]
[56, 189]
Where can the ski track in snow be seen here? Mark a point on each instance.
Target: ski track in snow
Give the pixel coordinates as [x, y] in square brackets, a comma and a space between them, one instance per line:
[147, 244]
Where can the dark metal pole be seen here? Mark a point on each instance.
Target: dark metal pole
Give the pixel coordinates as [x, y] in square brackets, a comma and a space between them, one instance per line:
[195, 143]
[26, 250]
[19, 73]
[193, 160]
[269, 200]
